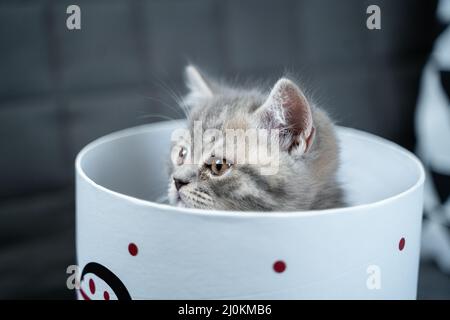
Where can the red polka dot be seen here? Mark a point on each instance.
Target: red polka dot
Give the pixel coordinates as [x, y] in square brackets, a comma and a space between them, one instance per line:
[279, 266]
[106, 295]
[401, 244]
[133, 249]
[92, 286]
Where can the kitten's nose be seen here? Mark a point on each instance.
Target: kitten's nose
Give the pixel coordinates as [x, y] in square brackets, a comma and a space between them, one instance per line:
[179, 183]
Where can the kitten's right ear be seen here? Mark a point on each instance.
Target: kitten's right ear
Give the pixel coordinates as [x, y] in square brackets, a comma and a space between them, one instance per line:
[196, 83]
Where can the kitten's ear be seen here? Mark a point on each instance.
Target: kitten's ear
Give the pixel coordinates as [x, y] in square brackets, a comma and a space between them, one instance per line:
[288, 110]
[196, 83]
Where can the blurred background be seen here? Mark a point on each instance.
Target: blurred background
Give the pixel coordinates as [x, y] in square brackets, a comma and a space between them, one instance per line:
[60, 89]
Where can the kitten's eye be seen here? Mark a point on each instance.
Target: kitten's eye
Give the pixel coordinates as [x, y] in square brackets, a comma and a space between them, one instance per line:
[219, 166]
[181, 155]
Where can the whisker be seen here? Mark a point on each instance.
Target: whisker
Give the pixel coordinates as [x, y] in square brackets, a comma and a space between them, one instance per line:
[172, 94]
[168, 105]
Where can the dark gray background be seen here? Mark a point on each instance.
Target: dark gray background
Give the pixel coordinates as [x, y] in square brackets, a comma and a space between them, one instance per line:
[60, 89]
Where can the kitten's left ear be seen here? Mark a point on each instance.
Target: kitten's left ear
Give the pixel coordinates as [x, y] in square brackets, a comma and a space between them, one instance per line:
[196, 83]
[288, 110]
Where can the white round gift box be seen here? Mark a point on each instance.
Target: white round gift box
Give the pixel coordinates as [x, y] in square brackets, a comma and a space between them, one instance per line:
[131, 247]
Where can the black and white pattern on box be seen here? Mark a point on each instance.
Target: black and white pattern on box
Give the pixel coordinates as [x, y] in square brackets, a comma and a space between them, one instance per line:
[433, 133]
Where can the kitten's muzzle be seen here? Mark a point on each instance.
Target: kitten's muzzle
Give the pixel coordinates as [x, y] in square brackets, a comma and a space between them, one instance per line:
[179, 183]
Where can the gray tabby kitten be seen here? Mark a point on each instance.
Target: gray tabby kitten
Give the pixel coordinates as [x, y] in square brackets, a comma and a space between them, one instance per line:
[308, 151]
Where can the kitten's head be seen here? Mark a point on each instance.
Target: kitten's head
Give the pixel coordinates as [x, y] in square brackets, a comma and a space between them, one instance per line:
[290, 165]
